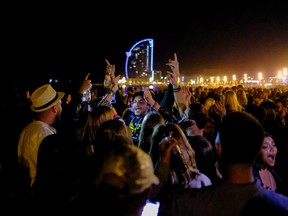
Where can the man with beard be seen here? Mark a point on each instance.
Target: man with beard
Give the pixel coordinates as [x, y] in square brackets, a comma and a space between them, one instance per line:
[47, 105]
[140, 108]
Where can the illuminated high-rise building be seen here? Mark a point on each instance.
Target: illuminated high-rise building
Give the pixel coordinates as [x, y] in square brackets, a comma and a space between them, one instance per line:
[139, 60]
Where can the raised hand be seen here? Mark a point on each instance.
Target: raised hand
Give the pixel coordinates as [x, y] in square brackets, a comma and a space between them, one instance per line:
[109, 80]
[116, 80]
[148, 96]
[174, 65]
[186, 93]
[220, 109]
[115, 86]
[110, 69]
[86, 84]
[172, 78]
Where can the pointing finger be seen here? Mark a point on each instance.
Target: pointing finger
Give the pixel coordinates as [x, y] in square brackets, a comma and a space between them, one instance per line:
[87, 76]
[107, 62]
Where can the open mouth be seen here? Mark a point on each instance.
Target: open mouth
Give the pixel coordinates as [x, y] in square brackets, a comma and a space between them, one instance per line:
[137, 109]
[271, 158]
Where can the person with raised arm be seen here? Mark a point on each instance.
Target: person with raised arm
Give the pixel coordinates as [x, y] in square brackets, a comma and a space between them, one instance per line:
[239, 193]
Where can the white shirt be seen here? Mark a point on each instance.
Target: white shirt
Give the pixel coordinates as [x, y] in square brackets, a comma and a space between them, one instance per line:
[29, 142]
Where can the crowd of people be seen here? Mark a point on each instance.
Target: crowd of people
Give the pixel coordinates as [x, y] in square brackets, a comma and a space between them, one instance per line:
[218, 151]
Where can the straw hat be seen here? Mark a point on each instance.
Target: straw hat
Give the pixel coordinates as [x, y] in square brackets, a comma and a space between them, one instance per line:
[44, 98]
[130, 168]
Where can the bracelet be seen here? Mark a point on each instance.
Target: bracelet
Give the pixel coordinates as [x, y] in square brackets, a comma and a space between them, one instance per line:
[154, 104]
[175, 90]
[110, 91]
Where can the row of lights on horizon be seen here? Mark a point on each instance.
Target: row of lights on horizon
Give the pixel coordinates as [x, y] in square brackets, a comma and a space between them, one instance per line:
[282, 77]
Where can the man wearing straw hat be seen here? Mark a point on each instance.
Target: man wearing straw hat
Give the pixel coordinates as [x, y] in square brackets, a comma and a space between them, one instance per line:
[46, 103]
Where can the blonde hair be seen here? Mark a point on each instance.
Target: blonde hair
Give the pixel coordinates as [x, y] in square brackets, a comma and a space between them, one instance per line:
[95, 119]
[231, 102]
[242, 97]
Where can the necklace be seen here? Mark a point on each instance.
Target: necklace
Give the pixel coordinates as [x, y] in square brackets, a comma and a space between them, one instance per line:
[135, 124]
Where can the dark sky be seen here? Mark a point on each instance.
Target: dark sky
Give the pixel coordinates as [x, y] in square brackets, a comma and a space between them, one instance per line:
[67, 42]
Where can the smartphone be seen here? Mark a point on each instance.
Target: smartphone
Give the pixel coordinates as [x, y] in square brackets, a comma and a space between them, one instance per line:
[150, 209]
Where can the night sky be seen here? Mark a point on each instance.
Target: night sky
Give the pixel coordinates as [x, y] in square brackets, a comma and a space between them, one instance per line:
[68, 42]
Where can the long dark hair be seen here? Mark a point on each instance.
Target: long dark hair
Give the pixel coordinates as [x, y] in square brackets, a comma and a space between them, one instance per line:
[258, 161]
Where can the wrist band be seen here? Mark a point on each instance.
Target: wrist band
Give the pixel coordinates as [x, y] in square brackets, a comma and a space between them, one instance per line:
[110, 91]
[176, 89]
[154, 104]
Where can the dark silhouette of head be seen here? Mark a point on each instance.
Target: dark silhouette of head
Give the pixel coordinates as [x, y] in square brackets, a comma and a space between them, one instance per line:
[241, 137]
[198, 113]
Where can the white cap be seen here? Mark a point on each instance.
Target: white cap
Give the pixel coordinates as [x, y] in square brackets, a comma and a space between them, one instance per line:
[129, 167]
